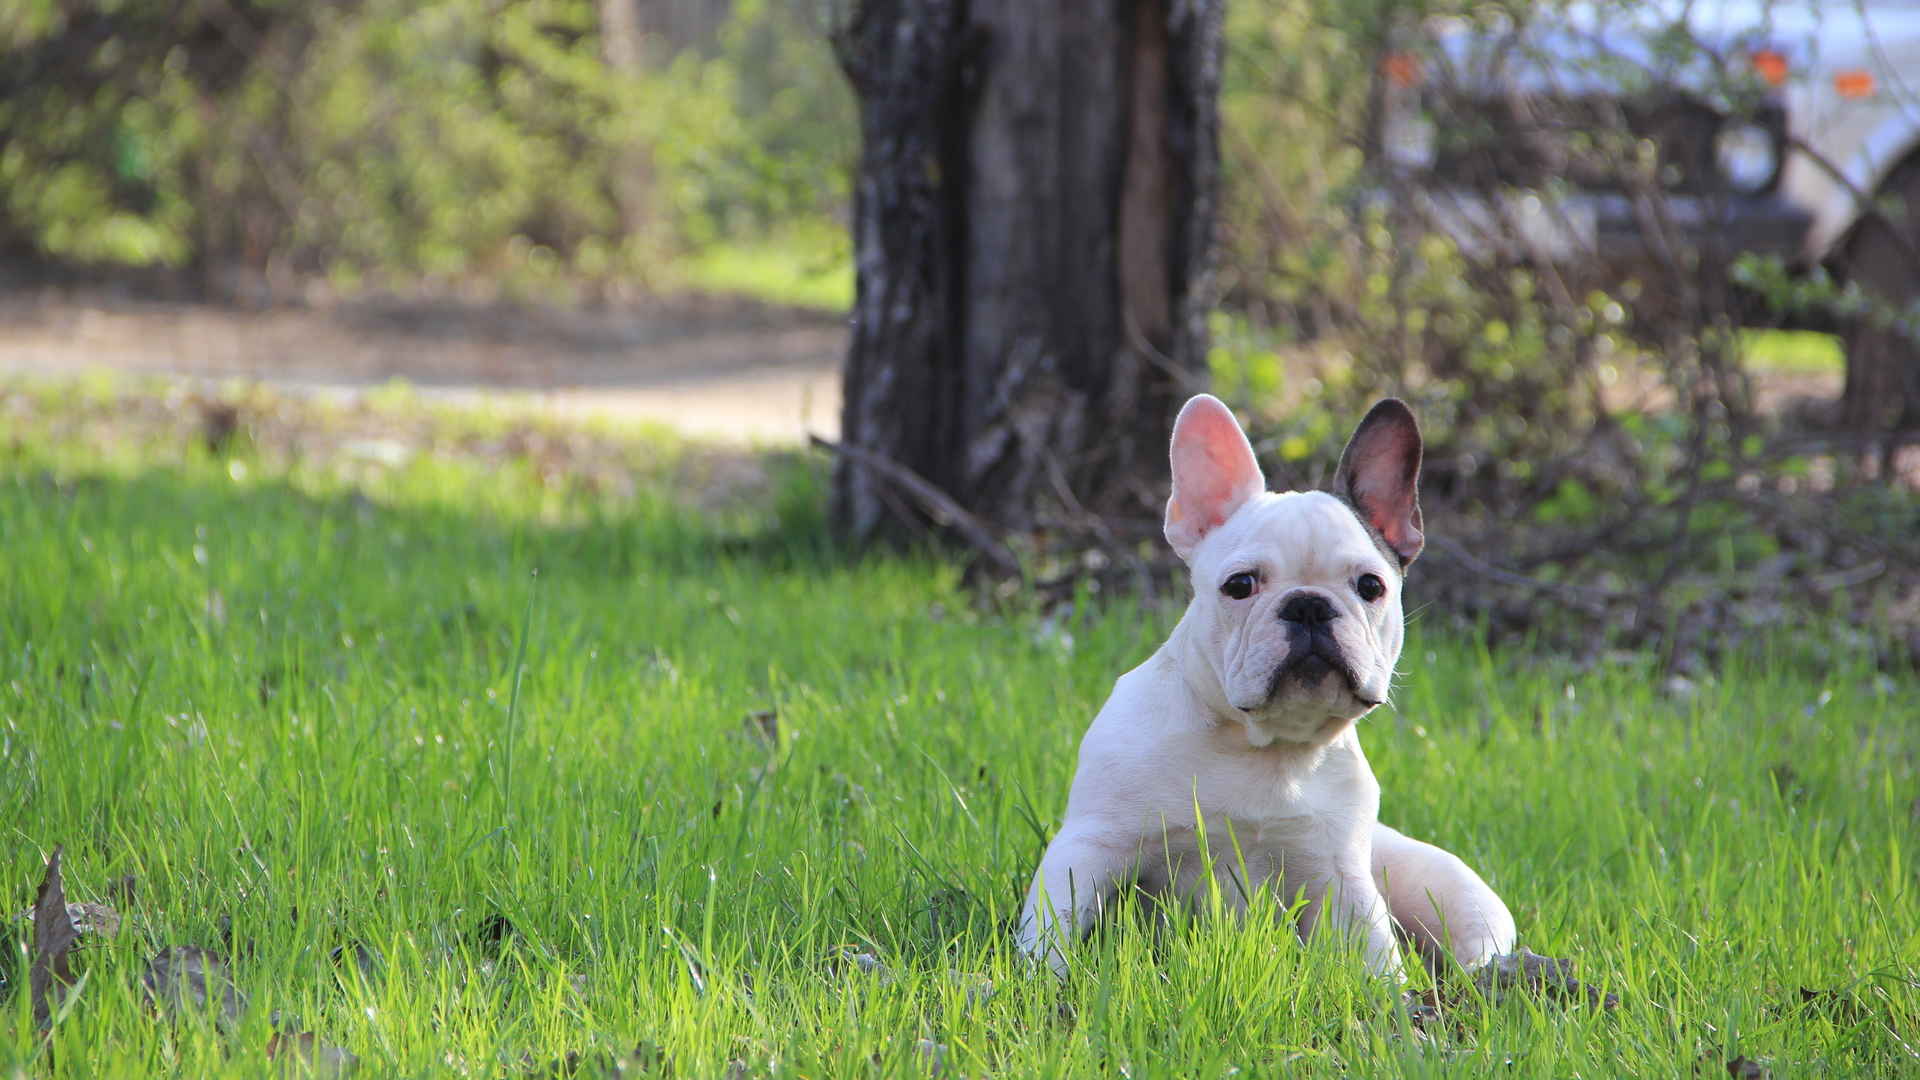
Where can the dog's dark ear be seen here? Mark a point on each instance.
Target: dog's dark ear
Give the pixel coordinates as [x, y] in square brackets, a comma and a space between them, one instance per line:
[1379, 476]
[1214, 472]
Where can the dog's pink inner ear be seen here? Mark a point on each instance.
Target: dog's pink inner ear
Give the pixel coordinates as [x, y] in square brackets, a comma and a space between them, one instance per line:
[1379, 475]
[1214, 472]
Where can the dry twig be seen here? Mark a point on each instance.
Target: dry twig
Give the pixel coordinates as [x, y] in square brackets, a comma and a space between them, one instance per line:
[937, 504]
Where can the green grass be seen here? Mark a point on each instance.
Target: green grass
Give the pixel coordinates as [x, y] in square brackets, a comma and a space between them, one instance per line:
[332, 702]
[802, 270]
[1792, 352]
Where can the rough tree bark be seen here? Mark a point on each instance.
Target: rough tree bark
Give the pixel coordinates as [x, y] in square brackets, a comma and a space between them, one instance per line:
[1033, 213]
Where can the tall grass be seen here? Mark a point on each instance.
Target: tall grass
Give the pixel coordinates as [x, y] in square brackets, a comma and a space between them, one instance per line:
[329, 703]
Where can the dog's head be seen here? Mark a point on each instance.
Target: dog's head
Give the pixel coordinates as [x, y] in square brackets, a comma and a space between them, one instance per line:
[1296, 596]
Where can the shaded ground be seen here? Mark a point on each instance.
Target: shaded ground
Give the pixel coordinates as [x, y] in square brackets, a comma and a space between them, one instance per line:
[714, 368]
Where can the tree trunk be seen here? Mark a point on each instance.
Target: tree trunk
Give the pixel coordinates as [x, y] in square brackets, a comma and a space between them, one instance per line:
[622, 49]
[1033, 213]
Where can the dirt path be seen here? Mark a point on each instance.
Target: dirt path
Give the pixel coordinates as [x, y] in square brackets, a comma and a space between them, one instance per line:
[718, 369]
[715, 369]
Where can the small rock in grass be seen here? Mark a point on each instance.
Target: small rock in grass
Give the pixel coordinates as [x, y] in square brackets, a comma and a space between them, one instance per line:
[865, 963]
[305, 1055]
[978, 988]
[282, 1022]
[933, 1055]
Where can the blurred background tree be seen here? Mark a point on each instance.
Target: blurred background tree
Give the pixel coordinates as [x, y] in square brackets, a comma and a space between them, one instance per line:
[1584, 447]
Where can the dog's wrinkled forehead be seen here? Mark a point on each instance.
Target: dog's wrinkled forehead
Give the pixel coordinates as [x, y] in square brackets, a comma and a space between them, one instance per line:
[1303, 534]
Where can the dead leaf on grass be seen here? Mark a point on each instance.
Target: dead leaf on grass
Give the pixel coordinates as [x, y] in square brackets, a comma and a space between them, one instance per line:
[933, 1056]
[305, 1055]
[1746, 1068]
[763, 725]
[494, 932]
[1423, 1008]
[1836, 1005]
[1786, 780]
[122, 890]
[89, 920]
[364, 958]
[1524, 969]
[601, 1064]
[219, 422]
[54, 935]
[187, 978]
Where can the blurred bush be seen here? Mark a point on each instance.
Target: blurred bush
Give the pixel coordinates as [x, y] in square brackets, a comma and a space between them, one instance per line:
[1306, 259]
[405, 139]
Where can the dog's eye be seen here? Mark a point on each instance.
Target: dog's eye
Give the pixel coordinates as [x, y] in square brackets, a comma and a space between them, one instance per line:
[1240, 586]
[1370, 587]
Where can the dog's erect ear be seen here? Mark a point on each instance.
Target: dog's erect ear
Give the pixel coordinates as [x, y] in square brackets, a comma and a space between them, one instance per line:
[1379, 476]
[1213, 472]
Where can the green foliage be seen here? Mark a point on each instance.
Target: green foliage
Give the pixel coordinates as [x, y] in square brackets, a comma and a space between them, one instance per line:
[406, 139]
[309, 701]
[798, 267]
[1795, 351]
[759, 137]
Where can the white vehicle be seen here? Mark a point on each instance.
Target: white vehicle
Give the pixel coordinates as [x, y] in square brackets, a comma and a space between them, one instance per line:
[1790, 127]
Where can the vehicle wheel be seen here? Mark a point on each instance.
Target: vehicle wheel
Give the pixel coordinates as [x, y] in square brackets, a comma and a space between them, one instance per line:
[1883, 364]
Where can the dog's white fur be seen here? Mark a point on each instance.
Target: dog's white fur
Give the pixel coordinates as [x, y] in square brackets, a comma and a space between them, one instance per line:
[1227, 729]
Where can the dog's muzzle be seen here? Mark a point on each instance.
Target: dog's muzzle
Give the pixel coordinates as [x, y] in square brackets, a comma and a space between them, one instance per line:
[1312, 651]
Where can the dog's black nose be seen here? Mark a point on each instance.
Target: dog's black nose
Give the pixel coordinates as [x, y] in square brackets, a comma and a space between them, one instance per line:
[1308, 609]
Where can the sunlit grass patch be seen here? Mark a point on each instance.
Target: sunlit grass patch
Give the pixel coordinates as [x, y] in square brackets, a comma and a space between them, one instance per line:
[595, 770]
[808, 270]
[1795, 352]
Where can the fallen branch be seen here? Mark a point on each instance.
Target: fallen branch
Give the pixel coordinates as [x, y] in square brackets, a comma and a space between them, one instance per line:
[937, 504]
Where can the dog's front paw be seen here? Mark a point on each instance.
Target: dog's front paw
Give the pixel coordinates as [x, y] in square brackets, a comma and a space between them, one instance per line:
[1526, 970]
[1045, 954]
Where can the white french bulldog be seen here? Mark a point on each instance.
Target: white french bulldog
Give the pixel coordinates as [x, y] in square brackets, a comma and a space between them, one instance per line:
[1246, 715]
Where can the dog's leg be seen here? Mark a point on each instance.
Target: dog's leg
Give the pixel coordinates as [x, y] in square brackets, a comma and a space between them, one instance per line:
[1080, 873]
[1351, 903]
[1439, 901]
